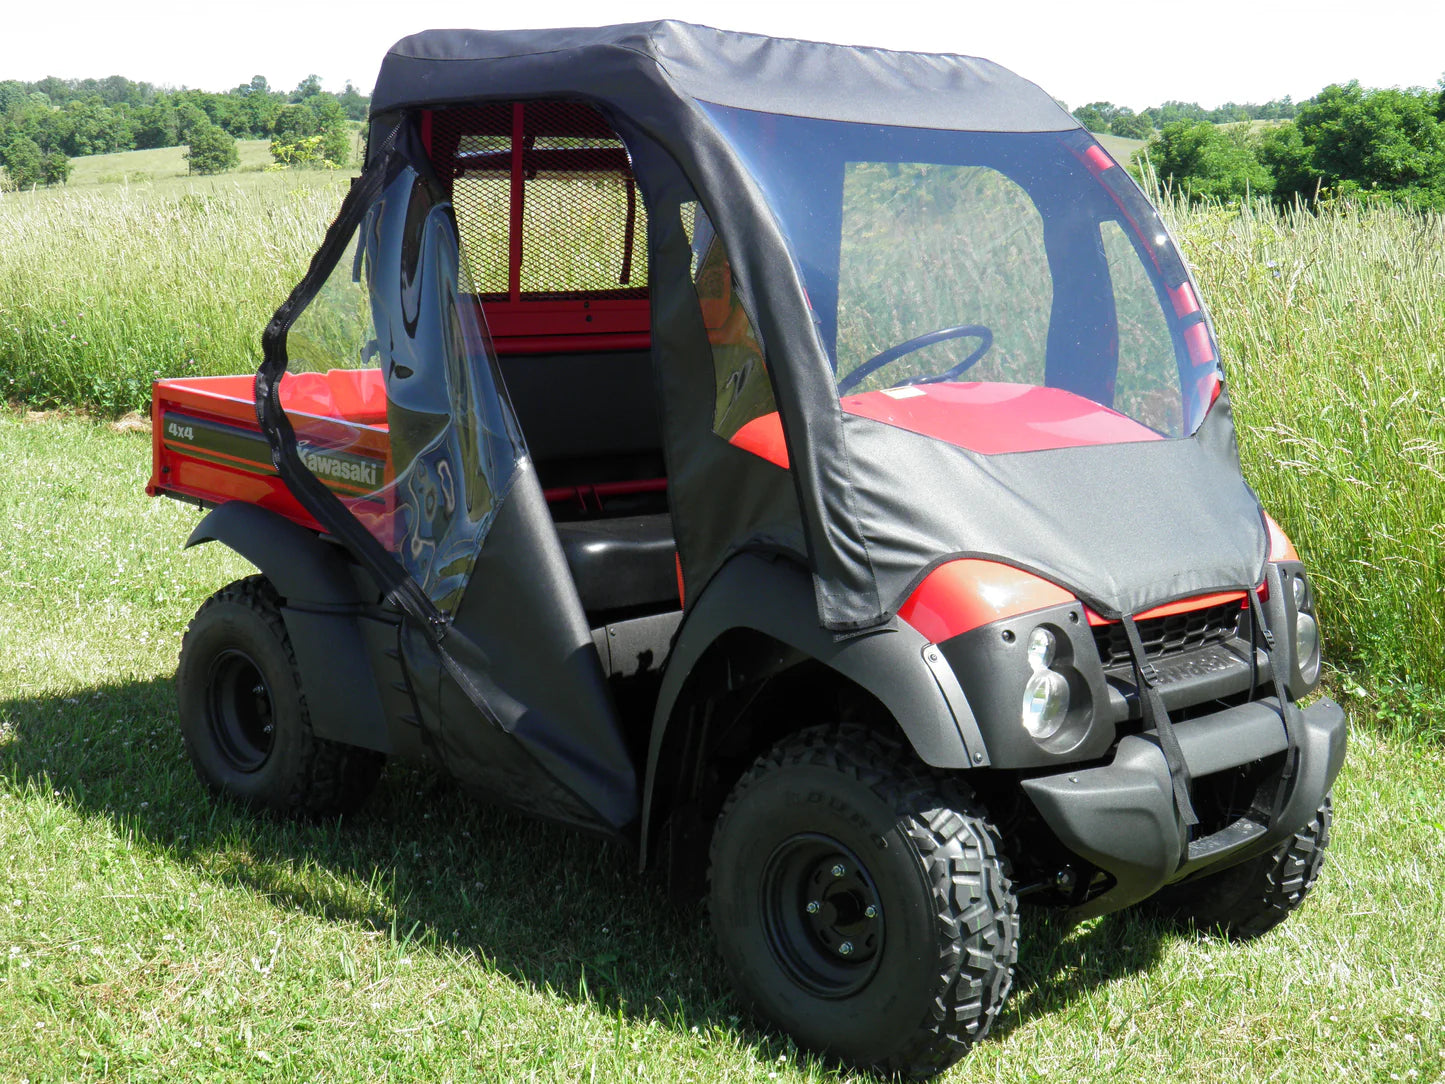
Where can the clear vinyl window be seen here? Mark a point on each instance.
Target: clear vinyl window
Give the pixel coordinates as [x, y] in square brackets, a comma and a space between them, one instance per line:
[744, 391]
[392, 393]
[977, 240]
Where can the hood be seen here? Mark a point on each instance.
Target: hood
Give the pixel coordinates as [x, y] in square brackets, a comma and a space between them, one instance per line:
[1125, 526]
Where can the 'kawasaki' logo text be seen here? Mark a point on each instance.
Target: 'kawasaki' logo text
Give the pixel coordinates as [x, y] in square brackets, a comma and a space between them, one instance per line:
[357, 471]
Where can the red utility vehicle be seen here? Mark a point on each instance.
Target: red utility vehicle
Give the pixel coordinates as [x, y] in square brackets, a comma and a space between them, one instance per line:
[808, 465]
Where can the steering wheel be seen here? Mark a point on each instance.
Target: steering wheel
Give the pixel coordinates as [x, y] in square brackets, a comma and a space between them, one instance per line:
[893, 353]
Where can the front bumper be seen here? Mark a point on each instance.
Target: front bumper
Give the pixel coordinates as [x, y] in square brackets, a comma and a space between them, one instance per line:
[1121, 817]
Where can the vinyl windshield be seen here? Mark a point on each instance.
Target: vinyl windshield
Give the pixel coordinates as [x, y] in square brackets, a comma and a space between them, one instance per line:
[1013, 258]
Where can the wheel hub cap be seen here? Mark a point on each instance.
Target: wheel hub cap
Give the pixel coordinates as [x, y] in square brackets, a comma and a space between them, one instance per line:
[822, 916]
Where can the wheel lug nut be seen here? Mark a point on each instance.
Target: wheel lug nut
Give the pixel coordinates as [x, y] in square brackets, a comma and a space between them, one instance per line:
[845, 949]
[813, 906]
[870, 911]
[838, 870]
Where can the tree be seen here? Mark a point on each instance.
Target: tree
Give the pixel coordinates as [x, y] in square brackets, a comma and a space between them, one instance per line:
[332, 127]
[1386, 140]
[293, 123]
[354, 102]
[1208, 162]
[212, 150]
[1131, 125]
[54, 168]
[1282, 151]
[156, 125]
[307, 88]
[192, 119]
[23, 162]
[1096, 115]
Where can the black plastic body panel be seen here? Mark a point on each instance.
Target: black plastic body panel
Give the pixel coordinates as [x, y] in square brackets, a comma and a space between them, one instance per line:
[1196, 677]
[638, 646]
[1121, 817]
[298, 563]
[1280, 612]
[992, 666]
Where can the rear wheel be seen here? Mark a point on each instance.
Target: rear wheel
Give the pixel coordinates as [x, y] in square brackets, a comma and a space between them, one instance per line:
[243, 711]
[1247, 900]
[861, 902]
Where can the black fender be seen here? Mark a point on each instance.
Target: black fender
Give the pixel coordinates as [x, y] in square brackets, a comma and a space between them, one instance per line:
[775, 597]
[323, 615]
[300, 566]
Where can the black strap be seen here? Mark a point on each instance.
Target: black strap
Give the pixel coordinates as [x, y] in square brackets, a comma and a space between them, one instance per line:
[1291, 752]
[1156, 718]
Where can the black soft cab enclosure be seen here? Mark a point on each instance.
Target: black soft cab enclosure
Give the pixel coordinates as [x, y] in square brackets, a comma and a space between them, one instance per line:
[811, 466]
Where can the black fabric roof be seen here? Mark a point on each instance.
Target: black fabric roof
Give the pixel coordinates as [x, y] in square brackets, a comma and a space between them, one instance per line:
[749, 71]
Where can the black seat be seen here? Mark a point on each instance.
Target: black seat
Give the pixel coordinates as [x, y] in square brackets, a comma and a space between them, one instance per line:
[623, 564]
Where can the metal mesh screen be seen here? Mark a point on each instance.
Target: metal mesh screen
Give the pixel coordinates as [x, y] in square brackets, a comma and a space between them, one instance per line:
[546, 203]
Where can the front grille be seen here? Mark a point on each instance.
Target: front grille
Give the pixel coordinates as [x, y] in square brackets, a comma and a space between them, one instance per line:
[1172, 635]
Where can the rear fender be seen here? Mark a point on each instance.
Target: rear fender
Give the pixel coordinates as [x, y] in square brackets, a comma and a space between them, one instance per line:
[323, 612]
[775, 598]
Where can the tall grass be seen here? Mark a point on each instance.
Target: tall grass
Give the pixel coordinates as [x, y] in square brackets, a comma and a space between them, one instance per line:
[102, 291]
[1332, 326]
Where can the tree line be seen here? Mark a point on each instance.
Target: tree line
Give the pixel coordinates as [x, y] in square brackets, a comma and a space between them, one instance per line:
[46, 123]
[1120, 120]
[1345, 142]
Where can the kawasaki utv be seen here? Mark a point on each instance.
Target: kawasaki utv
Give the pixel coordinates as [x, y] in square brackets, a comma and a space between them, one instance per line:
[808, 465]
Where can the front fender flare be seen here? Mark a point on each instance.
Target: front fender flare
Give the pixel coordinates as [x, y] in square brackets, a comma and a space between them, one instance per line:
[775, 597]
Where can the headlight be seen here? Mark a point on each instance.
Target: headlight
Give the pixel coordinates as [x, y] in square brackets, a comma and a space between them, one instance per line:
[1041, 648]
[1298, 584]
[1046, 702]
[1306, 646]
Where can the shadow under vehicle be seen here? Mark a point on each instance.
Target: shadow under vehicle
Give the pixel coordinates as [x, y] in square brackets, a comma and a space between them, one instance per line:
[809, 465]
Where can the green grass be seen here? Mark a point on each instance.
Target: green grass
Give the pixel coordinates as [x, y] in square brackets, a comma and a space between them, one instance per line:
[104, 289]
[161, 164]
[1332, 327]
[147, 934]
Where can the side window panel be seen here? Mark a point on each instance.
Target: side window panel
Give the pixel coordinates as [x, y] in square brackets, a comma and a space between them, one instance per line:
[744, 391]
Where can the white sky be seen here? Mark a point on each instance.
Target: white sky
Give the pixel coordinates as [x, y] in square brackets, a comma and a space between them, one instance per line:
[1131, 53]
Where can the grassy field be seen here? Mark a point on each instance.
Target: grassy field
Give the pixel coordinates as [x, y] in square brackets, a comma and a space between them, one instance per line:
[103, 289]
[1332, 328]
[149, 935]
[159, 165]
[1122, 148]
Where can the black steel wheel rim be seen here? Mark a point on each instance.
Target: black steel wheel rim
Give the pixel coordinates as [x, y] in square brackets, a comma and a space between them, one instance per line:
[240, 711]
[822, 916]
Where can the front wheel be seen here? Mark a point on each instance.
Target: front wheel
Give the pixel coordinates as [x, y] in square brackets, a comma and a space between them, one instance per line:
[860, 901]
[244, 719]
